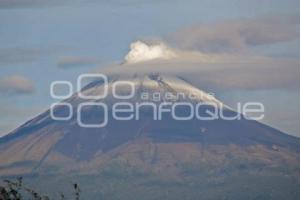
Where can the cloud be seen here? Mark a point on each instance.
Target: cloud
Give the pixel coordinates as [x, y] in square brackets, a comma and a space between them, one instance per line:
[75, 61]
[30, 3]
[237, 35]
[141, 52]
[49, 3]
[224, 73]
[216, 71]
[225, 41]
[280, 75]
[217, 57]
[16, 84]
[15, 55]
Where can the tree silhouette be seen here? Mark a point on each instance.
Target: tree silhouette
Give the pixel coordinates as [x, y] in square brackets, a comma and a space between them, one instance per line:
[15, 190]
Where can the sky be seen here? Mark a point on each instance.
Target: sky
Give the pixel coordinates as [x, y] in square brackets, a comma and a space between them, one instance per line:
[253, 46]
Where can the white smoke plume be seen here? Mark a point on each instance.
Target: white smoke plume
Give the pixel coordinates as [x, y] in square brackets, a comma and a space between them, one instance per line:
[141, 52]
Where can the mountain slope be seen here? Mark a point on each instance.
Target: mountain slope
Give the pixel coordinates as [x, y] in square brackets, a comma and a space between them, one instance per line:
[166, 150]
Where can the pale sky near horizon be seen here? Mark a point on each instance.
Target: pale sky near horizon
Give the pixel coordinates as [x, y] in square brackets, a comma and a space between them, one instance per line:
[42, 41]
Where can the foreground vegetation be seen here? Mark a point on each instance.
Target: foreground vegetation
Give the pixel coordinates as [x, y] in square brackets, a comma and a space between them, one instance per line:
[15, 190]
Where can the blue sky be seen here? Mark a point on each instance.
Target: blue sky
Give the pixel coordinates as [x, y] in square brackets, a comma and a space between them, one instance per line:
[37, 39]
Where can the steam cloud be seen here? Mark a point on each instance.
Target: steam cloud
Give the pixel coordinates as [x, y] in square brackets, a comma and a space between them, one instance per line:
[140, 52]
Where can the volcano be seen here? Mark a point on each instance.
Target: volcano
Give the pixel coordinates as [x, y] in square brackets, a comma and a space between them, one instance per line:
[146, 158]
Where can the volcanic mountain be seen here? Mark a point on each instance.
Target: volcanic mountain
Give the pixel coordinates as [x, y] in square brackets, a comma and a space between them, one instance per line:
[150, 158]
